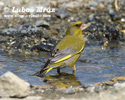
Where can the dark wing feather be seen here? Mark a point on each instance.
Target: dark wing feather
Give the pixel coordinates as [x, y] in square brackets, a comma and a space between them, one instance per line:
[62, 53]
[68, 46]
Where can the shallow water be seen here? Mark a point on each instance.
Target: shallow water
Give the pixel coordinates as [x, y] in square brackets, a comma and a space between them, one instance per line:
[94, 65]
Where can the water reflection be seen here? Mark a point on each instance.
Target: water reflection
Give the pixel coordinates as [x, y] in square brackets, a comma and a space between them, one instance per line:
[62, 80]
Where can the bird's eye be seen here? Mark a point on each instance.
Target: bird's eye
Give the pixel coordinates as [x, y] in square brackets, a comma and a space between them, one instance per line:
[77, 25]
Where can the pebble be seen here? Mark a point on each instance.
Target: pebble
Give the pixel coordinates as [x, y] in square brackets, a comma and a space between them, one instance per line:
[42, 23]
[62, 13]
[114, 15]
[111, 11]
[93, 3]
[90, 89]
[101, 6]
[93, 8]
[112, 33]
[61, 1]
[42, 47]
[27, 30]
[69, 91]
[91, 17]
[74, 4]
[9, 32]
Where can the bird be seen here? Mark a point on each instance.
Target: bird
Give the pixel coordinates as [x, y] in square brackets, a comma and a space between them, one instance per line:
[67, 51]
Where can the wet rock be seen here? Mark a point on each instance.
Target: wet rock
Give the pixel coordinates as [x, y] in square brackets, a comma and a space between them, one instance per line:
[42, 23]
[27, 30]
[62, 13]
[69, 91]
[45, 33]
[42, 47]
[13, 86]
[46, 45]
[24, 27]
[23, 30]
[112, 33]
[9, 32]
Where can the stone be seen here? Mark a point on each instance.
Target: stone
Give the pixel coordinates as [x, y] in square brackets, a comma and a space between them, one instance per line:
[101, 6]
[119, 86]
[62, 13]
[116, 79]
[90, 88]
[112, 33]
[27, 30]
[13, 86]
[111, 11]
[69, 91]
[74, 4]
[93, 3]
[91, 17]
[114, 15]
[61, 1]
[41, 23]
[9, 32]
[108, 83]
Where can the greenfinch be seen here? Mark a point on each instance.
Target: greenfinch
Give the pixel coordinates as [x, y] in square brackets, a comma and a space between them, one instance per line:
[67, 51]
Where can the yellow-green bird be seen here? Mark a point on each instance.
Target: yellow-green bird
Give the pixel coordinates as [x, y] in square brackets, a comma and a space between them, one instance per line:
[67, 51]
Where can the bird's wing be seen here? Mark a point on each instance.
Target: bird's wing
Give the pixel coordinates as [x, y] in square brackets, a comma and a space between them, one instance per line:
[67, 47]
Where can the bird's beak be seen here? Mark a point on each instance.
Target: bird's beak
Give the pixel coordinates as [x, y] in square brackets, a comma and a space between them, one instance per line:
[84, 26]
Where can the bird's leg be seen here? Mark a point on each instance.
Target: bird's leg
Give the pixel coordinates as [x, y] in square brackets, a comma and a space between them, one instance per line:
[58, 70]
[74, 68]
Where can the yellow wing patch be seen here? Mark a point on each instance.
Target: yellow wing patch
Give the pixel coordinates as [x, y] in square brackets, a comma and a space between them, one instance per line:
[63, 58]
[48, 70]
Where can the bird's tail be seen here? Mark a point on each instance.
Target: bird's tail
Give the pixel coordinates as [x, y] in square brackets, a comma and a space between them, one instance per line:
[42, 72]
[46, 68]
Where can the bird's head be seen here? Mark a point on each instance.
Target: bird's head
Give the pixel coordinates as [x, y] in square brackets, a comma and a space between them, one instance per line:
[76, 29]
